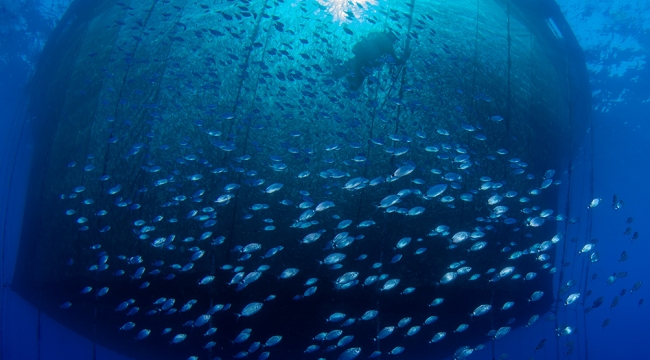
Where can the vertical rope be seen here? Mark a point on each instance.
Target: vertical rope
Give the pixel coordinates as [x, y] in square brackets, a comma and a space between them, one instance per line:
[567, 209]
[256, 30]
[38, 335]
[257, 82]
[93, 117]
[365, 166]
[509, 68]
[530, 90]
[584, 291]
[492, 321]
[234, 109]
[95, 330]
[475, 56]
[576, 258]
[590, 223]
[401, 73]
[109, 146]
[584, 269]
[382, 240]
[121, 91]
[373, 116]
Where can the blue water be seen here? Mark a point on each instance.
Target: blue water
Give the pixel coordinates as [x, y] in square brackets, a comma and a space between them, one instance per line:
[614, 149]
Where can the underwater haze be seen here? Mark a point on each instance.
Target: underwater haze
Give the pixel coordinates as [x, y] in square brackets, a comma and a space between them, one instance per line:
[260, 179]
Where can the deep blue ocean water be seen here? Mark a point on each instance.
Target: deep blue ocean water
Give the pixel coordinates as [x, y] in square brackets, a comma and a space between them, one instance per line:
[615, 149]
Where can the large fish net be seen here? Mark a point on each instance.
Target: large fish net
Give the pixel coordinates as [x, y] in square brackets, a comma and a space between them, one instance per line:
[175, 100]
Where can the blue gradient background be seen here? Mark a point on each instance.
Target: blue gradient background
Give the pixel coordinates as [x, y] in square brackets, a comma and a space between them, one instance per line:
[615, 37]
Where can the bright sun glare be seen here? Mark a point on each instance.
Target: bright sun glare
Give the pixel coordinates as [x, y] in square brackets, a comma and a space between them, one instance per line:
[347, 10]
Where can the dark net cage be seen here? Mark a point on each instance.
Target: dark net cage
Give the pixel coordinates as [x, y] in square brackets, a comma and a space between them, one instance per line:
[163, 126]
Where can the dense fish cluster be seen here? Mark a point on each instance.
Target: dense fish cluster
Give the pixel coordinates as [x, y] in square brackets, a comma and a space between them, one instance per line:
[311, 214]
[233, 197]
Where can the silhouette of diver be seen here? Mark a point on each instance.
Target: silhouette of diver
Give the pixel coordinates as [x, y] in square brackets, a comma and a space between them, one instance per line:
[372, 51]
